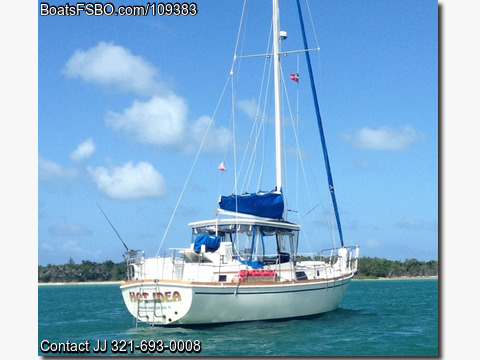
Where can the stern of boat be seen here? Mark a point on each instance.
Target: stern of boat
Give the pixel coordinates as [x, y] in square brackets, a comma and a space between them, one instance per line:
[156, 303]
[330, 264]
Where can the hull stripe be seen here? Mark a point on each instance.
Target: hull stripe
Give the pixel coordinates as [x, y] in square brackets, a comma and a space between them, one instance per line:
[271, 292]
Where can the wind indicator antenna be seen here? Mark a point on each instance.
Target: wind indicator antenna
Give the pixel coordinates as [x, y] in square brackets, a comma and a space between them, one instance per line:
[113, 227]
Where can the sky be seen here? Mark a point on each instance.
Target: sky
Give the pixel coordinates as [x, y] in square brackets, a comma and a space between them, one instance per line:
[123, 103]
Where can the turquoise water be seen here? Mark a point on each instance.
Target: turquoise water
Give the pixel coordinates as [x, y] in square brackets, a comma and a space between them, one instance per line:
[376, 318]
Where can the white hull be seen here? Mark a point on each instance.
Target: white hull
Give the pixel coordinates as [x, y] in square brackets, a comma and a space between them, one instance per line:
[230, 285]
[182, 303]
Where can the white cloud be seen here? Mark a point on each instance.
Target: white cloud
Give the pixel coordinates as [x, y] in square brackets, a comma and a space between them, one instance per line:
[417, 224]
[216, 140]
[364, 164]
[72, 246]
[249, 107]
[383, 138]
[371, 243]
[48, 247]
[130, 181]
[160, 121]
[68, 229]
[411, 224]
[115, 66]
[49, 170]
[83, 151]
[69, 249]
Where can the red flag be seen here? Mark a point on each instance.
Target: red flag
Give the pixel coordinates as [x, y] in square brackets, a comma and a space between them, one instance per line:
[222, 167]
[294, 77]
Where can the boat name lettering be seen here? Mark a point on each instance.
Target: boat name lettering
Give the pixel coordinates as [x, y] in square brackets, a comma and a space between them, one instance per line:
[160, 297]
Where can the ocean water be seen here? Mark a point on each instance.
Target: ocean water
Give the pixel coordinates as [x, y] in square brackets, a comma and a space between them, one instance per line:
[376, 318]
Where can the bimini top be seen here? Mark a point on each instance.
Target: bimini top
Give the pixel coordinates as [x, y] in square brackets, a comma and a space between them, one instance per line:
[245, 220]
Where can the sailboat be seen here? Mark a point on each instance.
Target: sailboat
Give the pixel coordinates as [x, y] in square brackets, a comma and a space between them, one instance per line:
[229, 272]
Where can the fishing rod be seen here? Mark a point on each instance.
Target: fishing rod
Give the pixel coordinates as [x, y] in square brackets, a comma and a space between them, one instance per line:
[113, 227]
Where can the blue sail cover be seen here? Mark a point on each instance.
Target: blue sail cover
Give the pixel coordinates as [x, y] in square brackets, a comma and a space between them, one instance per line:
[264, 204]
[211, 242]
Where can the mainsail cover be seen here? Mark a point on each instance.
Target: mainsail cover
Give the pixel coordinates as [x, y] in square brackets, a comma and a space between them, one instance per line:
[264, 204]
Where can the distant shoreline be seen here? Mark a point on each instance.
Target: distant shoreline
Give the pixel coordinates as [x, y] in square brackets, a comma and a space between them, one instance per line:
[81, 283]
[119, 282]
[399, 278]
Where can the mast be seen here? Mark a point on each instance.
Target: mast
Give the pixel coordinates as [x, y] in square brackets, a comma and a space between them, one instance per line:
[269, 205]
[276, 76]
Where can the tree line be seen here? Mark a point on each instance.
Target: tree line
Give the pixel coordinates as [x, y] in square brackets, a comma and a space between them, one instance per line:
[368, 268]
[84, 272]
[373, 268]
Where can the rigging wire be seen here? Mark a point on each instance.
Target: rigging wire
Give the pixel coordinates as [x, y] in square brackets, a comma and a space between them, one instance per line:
[229, 78]
[260, 128]
[193, 165]
[328, 212]
[299, 158]
[312, 23]
[320, 126]
[257, 127]
[233, 95]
